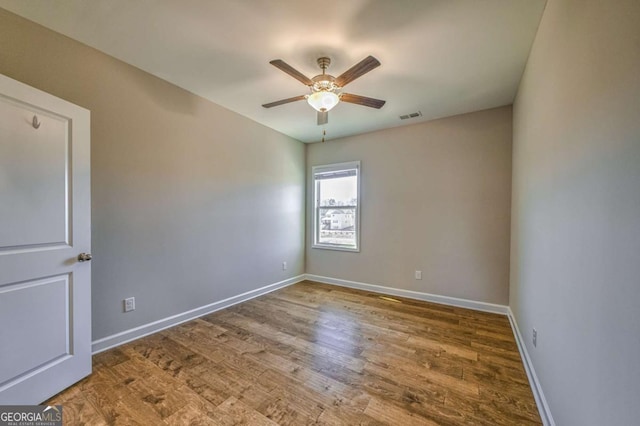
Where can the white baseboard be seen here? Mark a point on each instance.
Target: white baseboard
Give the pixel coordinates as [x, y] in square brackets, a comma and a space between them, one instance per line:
[536, 387]
[409, 294]
[118, 339]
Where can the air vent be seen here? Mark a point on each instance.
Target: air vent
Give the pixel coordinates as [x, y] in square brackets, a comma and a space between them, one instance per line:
[412, 115]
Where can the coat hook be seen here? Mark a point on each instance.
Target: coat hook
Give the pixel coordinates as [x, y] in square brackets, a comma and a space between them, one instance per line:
[35, 123]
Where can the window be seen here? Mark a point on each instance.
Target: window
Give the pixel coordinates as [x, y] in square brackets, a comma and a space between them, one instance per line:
[336, 211]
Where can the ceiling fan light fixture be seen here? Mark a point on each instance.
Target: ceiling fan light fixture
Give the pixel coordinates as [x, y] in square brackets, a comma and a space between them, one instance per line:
[323, 101]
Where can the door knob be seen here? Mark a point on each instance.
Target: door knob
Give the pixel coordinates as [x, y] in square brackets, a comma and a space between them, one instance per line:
[84, 257]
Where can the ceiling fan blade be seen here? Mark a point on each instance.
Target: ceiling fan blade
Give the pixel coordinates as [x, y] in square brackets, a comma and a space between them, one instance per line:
[358, 70]
[323, 117]
[284, 101]
[362, 100]
[283, 66]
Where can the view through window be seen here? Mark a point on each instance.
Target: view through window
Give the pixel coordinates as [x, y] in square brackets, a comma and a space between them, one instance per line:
[336, 212]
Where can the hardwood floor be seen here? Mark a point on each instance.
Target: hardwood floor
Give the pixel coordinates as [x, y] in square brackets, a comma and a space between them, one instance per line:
[313, 354]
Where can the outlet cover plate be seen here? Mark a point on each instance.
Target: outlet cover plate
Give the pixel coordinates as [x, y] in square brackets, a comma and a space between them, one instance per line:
[129, 304]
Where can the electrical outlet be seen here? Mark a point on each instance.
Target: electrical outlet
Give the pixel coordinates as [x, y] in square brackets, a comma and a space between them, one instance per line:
[418, 275]
[535, 337]
[284, 266]
[129, 304]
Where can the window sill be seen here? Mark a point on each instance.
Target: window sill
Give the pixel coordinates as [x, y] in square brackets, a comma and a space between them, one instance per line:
[335, 248]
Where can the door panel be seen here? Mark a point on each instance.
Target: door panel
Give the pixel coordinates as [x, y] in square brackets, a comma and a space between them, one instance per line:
[43, 338]
[34, 173]
[45, 293]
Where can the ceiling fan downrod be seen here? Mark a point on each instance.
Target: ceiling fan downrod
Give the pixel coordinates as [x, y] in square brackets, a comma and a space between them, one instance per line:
[324, 63]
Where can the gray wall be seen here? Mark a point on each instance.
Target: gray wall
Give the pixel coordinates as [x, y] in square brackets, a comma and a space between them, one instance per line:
[191, 203]
[435, 197]
[575, 266]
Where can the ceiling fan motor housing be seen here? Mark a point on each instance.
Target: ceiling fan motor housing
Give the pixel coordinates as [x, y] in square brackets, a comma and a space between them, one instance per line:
[324, 82]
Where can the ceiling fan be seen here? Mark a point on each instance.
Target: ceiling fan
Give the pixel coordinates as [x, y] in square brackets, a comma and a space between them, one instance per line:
[325, 88]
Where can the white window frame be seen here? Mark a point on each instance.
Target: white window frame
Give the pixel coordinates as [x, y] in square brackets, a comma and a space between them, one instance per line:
[316, 205]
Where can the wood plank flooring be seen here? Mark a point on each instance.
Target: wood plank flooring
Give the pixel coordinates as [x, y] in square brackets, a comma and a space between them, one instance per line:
[313, 354]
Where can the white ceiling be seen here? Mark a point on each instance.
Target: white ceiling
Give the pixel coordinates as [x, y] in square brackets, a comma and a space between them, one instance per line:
[440, 57]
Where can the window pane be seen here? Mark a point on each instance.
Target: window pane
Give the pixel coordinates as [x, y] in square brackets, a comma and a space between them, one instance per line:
[337, 226]
[342, 191]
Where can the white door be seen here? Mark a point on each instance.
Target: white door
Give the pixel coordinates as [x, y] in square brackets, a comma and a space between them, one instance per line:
[45, 292]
